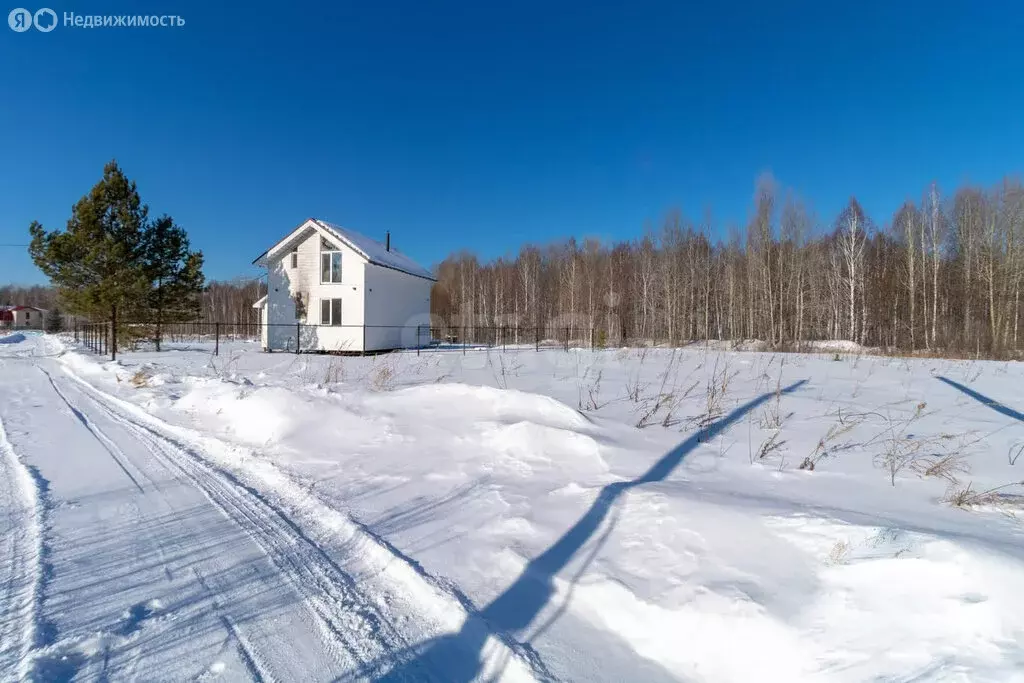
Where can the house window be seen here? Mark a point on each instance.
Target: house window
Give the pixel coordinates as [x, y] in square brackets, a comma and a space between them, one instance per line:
[330, 263]
[330, 312]
[295, 257]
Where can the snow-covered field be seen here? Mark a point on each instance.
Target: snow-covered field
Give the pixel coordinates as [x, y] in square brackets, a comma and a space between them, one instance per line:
[602, 515]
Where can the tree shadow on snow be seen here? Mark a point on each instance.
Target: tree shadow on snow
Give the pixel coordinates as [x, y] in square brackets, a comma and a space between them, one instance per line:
[981, 398]
[461, 655]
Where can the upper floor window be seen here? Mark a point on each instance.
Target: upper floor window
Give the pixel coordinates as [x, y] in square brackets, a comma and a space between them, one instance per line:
[330, 262]
[295, 257]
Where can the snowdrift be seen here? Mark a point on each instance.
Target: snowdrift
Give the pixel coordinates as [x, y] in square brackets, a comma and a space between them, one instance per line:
[648, 514]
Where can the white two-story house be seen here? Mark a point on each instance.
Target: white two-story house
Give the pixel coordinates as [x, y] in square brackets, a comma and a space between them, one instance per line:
[332, 289]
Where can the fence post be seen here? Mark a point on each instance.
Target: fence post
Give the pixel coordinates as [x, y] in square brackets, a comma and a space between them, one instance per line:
[216, 339]
[591, 338]
[567, 339]
[76, 331]
[418, 329]
[463, 330]
[536, 338]
[298, 333]
[113, 334]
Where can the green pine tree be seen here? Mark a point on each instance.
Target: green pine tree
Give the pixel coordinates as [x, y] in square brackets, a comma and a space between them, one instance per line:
[113, 262]
[175, 273]
[54, 321]
[97, 263]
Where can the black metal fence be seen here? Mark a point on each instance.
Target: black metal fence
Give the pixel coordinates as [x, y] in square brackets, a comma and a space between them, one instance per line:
[108, 338]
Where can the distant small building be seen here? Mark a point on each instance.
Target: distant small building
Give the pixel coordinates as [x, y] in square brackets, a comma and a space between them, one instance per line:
[332, 289]
[22, 317]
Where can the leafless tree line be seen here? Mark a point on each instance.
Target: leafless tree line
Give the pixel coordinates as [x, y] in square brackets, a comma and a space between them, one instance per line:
[35, 295]
[231, 301]
[226, 301]
[942, 276]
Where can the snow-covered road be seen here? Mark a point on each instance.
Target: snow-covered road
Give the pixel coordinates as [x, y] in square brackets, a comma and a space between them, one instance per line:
[134, 529]
[127, 556]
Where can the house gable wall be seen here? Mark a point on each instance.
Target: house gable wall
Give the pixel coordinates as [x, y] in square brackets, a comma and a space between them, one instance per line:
[29, 318]
[284, 282]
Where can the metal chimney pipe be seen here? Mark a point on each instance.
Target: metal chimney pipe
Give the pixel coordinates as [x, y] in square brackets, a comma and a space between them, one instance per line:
[387, 241]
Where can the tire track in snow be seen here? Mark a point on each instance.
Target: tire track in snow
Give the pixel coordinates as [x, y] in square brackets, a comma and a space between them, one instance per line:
[328, 587]
[248, 655]
[23, 561]
[257, 670]
[97, 433]
[355, 633]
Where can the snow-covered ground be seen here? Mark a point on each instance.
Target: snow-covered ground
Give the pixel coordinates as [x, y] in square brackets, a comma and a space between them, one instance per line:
[648, 515]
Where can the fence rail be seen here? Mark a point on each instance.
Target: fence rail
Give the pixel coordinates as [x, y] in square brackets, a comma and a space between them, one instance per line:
[109, 337]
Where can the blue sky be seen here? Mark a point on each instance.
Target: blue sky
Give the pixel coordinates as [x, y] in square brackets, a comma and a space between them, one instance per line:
[484, 125]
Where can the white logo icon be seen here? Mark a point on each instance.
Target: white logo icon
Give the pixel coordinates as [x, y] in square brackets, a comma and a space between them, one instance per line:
[20, 20]
[45, 20]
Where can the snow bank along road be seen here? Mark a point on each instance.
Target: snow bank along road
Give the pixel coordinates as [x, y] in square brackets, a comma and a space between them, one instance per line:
[127, 555]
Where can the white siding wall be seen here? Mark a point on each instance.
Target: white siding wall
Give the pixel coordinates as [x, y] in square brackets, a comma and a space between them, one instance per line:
[28, 319]
[284, 282]
[396, 303]
[263, 327]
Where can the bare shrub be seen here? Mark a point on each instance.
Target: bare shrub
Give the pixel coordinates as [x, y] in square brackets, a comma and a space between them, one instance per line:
[825, 443]
[769, 446]
[946, 466]
[651, 408]
[383, 377]
[772, 417]
[1014, 453]
[665, 398]
[717, 388]
[966, 496]
[506, 368]
[334, 372]
[903, 450]
[634, 388]
[140, 378]
[677, 398]
[900, 450]
[590, 394]
[839, 553]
